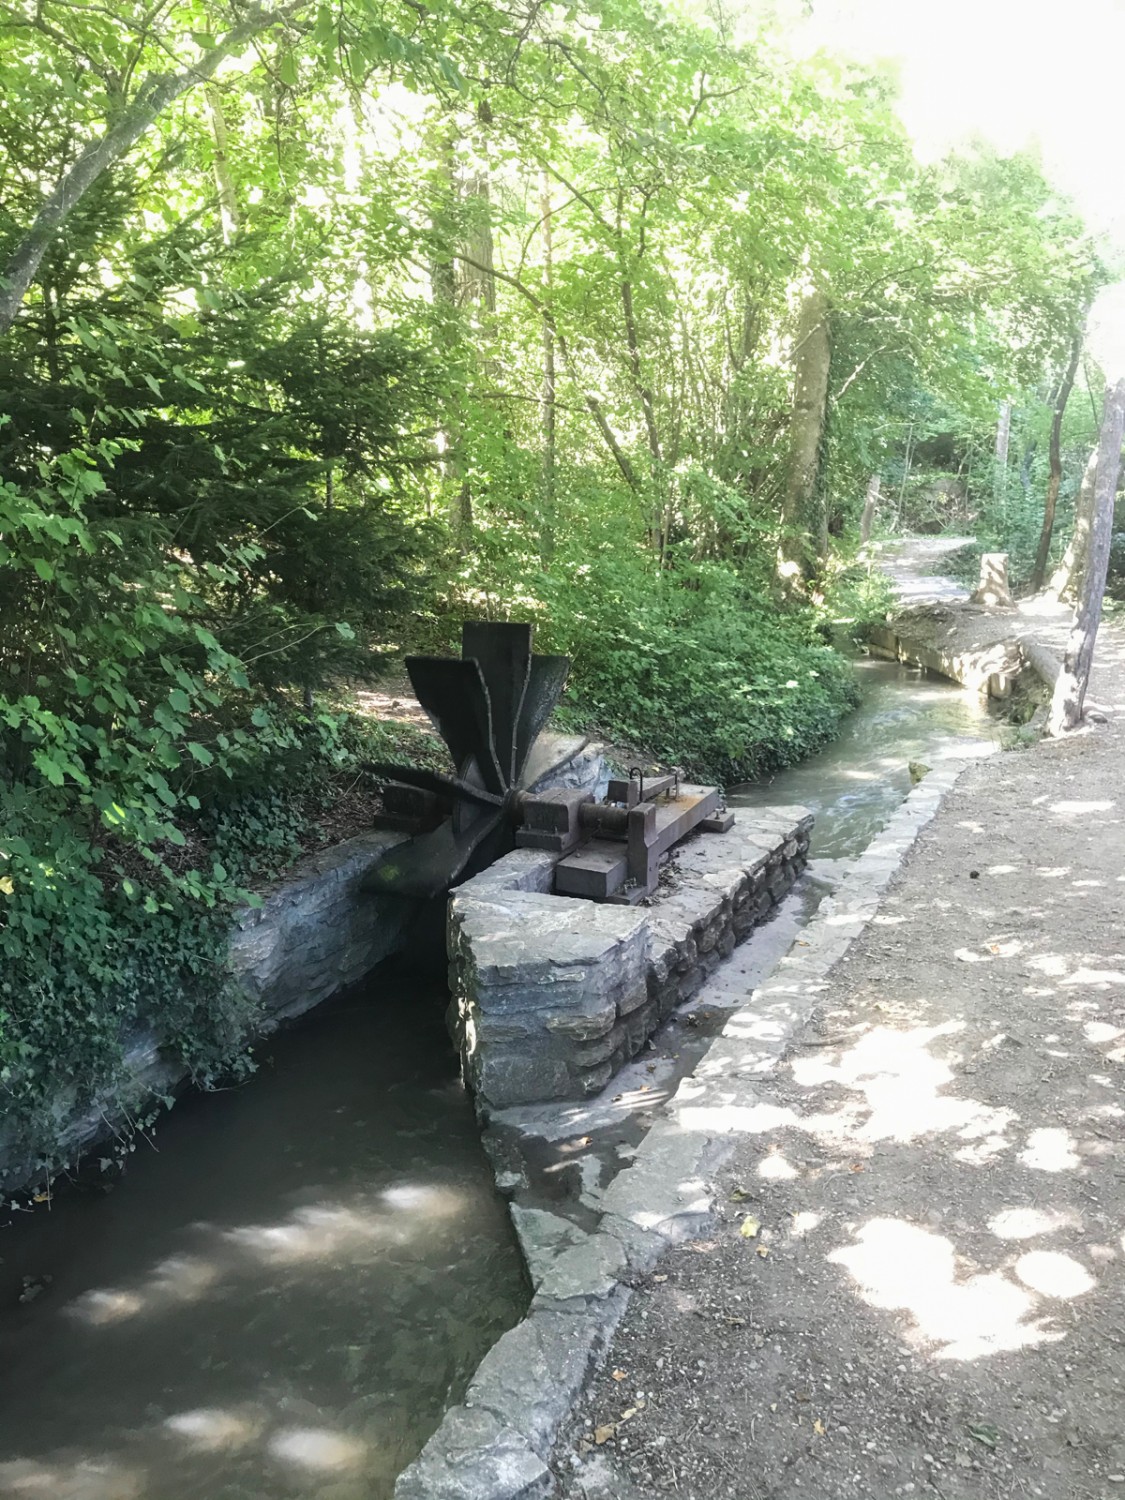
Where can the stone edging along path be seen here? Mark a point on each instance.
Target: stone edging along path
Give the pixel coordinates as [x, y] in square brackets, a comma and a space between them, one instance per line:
[497, 1444]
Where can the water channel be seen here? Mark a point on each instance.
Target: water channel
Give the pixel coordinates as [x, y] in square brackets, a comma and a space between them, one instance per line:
[288, 1286]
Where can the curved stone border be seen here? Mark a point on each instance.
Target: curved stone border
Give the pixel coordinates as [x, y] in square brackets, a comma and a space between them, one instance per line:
[988, 669]
[497, 1444]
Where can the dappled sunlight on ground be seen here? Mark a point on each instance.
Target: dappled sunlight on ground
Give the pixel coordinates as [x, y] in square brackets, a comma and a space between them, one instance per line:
[893, 1086]
[904, 1268]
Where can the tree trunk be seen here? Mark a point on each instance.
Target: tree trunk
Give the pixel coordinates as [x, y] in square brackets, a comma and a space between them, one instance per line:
[1067, 577]
[443, 274]
[443, 291]
[155, 95]
[802, 533]
[1069, 696]
[547, 517]
[220, 165]
[871, 500]
[1043, 551]
[905, 476]
[1003, 434]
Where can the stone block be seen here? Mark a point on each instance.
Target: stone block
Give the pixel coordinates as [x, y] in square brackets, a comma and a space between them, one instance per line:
[582, 1024]
[527, 1079]
[553, 995]
[534, 1372]
[633, 997]
[593, 1080]
[475, 1456]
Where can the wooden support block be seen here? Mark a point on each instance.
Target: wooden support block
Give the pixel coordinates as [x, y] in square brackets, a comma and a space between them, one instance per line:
[627, 792]
[552, 820]
[674, 820]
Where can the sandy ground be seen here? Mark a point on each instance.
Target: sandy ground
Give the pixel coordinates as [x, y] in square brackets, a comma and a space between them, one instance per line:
[915, 1282]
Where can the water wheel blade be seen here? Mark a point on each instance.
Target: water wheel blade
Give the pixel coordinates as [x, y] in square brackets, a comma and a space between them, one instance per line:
[454, 695]
[503, 652]
[426, 866]
[544, 689]
[452, 788]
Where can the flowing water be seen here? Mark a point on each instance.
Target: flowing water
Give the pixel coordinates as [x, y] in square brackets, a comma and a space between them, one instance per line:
[279, 1299]
[854, 785]
[283, 1293]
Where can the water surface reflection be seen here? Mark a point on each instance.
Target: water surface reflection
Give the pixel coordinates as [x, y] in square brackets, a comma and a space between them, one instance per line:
[280, 1299]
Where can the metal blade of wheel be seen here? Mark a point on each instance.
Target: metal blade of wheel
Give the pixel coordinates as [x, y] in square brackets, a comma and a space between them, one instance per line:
[452, 691]
[429, 864]
[451, 787]
[545, 684]
[502, 650]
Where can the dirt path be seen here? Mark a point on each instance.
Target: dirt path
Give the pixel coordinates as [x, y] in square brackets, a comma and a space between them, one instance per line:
[915, 1283]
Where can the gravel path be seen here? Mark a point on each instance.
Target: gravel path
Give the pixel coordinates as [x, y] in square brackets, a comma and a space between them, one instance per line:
[914, 1284]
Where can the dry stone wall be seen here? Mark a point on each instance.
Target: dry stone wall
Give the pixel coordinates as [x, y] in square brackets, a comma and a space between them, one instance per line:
[552, 995]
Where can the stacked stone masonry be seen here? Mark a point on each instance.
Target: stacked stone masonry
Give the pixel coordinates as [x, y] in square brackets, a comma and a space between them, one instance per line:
[552, 995]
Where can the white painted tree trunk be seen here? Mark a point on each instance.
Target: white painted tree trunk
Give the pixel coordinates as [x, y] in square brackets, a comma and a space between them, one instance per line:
[1067, 577]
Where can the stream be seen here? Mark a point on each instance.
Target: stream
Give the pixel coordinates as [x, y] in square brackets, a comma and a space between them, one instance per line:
[296, 1277]
[285, 1290]
[854, 785]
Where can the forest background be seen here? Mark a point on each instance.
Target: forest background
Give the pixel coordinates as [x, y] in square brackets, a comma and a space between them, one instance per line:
[325, 326]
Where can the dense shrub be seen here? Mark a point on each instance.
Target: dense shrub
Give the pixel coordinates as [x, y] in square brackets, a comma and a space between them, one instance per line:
[696, 667]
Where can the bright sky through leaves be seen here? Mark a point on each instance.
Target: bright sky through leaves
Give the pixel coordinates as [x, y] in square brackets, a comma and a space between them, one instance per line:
[1017, 75]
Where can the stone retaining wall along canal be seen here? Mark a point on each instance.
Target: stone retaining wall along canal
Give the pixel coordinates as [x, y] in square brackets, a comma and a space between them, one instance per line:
[551, 995]
[316, 932]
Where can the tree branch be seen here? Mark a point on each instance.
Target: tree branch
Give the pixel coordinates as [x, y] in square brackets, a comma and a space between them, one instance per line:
[155, 95]
[593, 405]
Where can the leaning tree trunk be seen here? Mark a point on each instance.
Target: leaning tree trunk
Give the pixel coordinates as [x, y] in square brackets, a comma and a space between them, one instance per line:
[802, 539]
[1070, 686]
[156, 94]
[1039, 572]
[1067, 577]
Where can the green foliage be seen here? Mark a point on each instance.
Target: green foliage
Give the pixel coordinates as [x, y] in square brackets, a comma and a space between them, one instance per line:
[696, 668]
[417, 311]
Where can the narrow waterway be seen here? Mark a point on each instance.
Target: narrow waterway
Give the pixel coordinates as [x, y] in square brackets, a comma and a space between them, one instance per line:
[286, 1289]
[905, 717]
[281, 1296]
